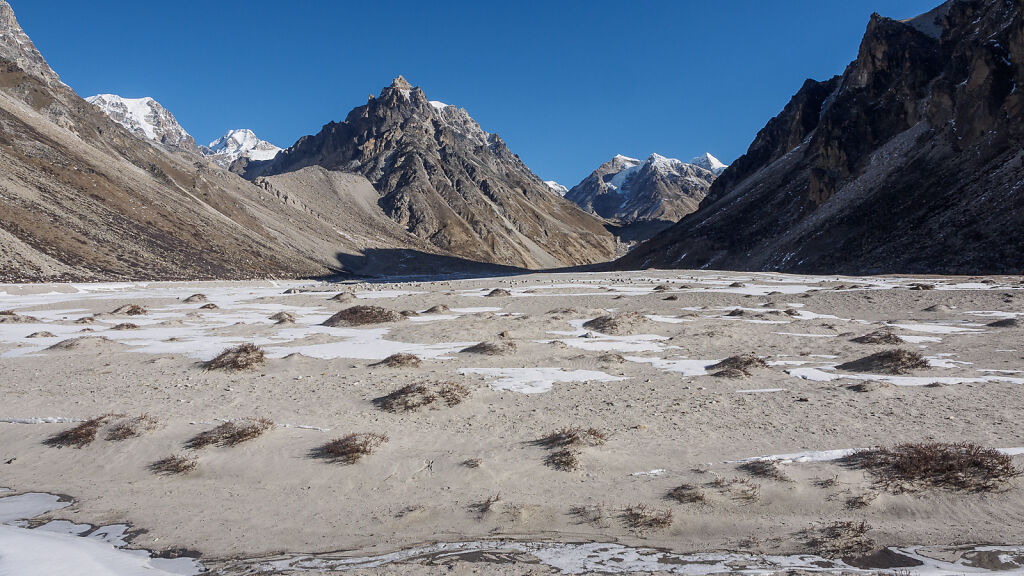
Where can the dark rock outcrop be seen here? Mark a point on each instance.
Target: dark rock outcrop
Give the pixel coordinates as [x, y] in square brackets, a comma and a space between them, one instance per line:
[911, 161]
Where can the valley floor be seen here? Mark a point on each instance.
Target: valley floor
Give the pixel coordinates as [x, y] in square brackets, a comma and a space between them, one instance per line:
[474, 472]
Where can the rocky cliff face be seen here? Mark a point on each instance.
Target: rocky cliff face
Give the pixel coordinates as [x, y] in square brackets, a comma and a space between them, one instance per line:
[449, 182]
[911, 161]
[627, 190]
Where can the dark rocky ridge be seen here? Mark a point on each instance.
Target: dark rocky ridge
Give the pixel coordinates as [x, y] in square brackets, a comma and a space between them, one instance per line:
[911, 161]
[449, 182]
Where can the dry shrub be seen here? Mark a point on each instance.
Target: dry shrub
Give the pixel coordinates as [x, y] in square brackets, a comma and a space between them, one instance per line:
[492, 348]
[671, 297]
[881, 336]
[840, 539]
[963, 466]
[343, 297]
[611, 358]
[896, 361]
[740, 489]
[616, 324]
[472, 462]
[283, 318]
[591, 514]
[861, 500]
[765, 469]
[131, 427]
[130, 310]
[126, 326]
[210, 306]
[499, 293]
[400, 360]
[791, 312]
[565, 460]
[362, 316]
[921, 286]
[78, 436]
[687, 494]
[230, 433]
[736, 312]
[195, 298]
[349, 449]
[643, 518]
[422, 394]
[569, 437]
[830, 482]
[86, 320]
[43, 334]
[11, 317]
[870, 386]
[662, 288]
[439, 309]
[738, 366]
[737, 285]
[485, 507]
[175, 464]
[1004, 323]
[241, 357]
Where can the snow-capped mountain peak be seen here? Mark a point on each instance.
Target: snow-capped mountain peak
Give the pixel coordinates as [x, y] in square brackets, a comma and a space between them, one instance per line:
[709, 162]
[241, 143]
[556, 187]
[144, 117]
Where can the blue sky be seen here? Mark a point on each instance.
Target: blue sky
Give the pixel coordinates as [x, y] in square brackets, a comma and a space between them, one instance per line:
[567, 84]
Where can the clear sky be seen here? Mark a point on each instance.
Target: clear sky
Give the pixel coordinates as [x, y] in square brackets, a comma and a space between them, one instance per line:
[568, 84]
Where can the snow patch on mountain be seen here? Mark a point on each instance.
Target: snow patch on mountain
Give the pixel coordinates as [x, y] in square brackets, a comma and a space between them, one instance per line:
[144, 117]
[237, 144]
[556, 187]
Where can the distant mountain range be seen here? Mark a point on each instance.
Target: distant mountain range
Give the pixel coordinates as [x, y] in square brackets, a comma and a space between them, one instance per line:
[910, 161]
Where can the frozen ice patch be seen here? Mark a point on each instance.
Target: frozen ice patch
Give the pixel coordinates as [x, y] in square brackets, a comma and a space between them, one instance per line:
[536, 380]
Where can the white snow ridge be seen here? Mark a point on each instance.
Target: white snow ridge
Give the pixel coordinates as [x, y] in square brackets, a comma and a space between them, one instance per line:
[237, 144]
[709, 162]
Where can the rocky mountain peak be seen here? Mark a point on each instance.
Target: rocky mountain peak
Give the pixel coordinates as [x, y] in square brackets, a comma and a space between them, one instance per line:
[709, 162]
[146, 118]
[236, 144]
[17, 47]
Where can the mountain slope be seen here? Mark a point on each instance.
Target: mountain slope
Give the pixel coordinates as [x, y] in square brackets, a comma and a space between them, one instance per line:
[628, 191]
[449, 182]
[911, 161]
[81, 199]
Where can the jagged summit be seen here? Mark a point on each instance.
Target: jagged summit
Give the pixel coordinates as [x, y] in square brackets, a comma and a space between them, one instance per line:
[236, 144]
[17, 47]
[709, 162]
[449, 182]
[628, 190]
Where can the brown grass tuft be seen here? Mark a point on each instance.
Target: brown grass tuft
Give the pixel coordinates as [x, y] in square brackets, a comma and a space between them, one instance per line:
[882, 336]
[687, 494]
[616, 324]
[400, 360]
[126, 326]
[472, 462]
[895, 361]
[175, 464]
[840, 539]
[869, 386]
[78, 436]
[349, 449]
[765, 469]
[195, 298]
[439, 309]
[569, 437]
[43, 334]
[591, 514]
[241, 357]
[363, 315]
[130, 310]
[964, 466]
[210, 306]
[492, 348]
[744, 363]
[484, 507]
[283, 318]
[131, 427]
[230, 433]
[643, 518]
[12, 317]
[421, 394]
[499, 293]
[565, 460]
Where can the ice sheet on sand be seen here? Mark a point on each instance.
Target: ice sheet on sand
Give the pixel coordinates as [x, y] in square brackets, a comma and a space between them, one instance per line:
[806, 335]
[918, 339]
[936, 328]
[364, 344]
[536, 380]
[809, 456]
[39, 420]
[30, 505]
[762, 391]
[598, 342]
[822, 374]
[683, 366]
[667, 319]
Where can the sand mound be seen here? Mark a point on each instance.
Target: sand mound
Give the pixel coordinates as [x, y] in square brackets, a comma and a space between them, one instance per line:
[498, 293]
[195, 298]
[210, 306]
[363, 315]
[869, 386]
[738, 366]
[43, 334]
[9, 317]
[240, 357]
[492, 348]
[130, 310]
[283, 318]
[439, 309]
[86, 343]
[938, 308]
[422, 394]
[616, 324]
[897, 361]
[343, 297]
[882, 336]
[399, 360]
